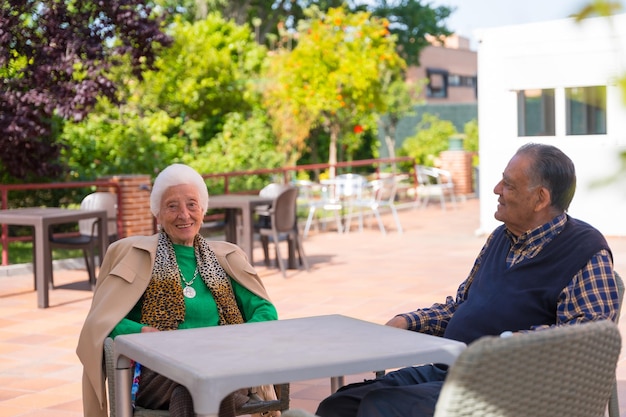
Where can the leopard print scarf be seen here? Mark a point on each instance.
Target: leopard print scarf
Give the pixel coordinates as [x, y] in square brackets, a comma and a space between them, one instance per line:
[163, 301]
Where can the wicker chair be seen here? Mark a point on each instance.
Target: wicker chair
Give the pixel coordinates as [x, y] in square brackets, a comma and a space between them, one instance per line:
[614, 400]
[251, 407]
[565, 371]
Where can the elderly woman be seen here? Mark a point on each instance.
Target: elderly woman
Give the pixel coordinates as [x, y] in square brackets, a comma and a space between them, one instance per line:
[172, 280]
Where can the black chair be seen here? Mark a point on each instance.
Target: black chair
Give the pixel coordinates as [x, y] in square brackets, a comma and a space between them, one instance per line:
[87, 240]
[283, 225]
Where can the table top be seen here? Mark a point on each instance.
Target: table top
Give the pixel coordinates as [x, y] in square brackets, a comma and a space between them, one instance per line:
[28, 215]
[212, 362]
[237, 200]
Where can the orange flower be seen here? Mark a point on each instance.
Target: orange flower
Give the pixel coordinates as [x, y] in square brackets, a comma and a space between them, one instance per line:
[358, 129]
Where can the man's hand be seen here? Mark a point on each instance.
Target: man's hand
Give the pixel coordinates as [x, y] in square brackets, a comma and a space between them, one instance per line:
[399, 322]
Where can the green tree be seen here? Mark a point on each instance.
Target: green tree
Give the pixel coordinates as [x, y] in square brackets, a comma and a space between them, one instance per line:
[470, 136]
[117, 140]
[470, 139]
[209, 74]
[411, 21]
[55, 60]
[333, 78]
[399, 105]
[211, 70]
[275, 21]
[245, 142]
[430, 140]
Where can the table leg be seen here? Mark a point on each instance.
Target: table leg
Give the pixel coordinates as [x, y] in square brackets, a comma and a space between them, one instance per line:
[247, 235]
[123, 405]
[43, 263]
[336, 382]
[230, 229]
[292, 263]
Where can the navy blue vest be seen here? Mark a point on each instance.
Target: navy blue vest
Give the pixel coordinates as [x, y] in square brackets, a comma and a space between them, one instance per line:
[525, 295]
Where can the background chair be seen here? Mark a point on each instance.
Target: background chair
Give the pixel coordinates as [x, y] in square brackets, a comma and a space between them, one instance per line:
[433, 182]
[270, 191]
[564, 371]
[87, 240]
[324, 204]
[251, 407]
[283, 224]
[337, 197]
[381, 193]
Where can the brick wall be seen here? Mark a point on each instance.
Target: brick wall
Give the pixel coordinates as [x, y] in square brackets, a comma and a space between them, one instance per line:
[459, 163]
[136, 218]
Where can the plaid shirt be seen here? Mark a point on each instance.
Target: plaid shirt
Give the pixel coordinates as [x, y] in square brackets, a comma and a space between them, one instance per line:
[590, 295]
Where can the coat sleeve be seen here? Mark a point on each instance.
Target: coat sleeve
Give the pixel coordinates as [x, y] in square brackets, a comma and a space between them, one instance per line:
[122, 279]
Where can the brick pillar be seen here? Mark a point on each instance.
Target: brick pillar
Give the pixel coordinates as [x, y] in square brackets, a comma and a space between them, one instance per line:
[459, 163]
[136, 218]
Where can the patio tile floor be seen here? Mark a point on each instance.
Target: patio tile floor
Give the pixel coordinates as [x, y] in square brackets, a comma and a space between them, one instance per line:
[365, 275]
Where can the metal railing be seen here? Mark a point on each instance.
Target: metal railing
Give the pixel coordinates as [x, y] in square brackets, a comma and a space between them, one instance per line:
[285, 172]
[288, 172]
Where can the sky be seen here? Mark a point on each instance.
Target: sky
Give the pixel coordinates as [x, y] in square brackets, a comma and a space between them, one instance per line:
[478, 14]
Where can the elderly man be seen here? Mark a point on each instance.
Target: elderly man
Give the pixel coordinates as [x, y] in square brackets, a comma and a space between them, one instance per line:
[540, 269]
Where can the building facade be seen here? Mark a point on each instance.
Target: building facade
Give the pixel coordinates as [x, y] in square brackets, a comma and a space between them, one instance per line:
[448, 78]
[556, 82]
[450, 72]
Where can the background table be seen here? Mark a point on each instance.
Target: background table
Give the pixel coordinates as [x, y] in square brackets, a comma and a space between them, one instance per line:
[41, 218]
[240, 206]
[215, 361]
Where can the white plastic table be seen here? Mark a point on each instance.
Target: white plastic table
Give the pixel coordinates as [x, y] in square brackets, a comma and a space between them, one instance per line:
[212, 362]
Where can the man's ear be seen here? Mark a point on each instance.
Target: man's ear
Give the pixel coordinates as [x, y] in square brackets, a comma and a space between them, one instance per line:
[544, 199]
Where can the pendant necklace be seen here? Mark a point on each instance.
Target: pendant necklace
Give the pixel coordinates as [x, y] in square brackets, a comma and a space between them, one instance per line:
[188, 291]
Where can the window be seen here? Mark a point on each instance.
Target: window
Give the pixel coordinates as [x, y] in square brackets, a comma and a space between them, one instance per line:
[437, 83]
[586, 110]
[455, 80]
[535, 112]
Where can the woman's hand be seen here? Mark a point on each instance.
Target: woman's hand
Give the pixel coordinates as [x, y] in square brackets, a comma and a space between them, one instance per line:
[399, 322]
[149, 329]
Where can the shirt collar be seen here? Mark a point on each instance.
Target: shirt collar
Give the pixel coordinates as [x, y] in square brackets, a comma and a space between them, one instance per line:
[540, 235]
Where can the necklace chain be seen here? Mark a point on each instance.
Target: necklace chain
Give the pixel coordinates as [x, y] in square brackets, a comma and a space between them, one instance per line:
[190, 283]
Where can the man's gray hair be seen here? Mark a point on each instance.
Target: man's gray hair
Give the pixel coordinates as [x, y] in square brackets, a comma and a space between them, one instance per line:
[551, 168]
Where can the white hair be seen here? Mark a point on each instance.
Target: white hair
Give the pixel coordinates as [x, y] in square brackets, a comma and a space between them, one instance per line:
[177, 174]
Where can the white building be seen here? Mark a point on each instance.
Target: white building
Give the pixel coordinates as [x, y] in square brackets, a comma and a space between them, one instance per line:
[556, 82]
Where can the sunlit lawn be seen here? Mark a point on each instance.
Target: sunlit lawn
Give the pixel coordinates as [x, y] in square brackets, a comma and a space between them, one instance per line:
[22, 252]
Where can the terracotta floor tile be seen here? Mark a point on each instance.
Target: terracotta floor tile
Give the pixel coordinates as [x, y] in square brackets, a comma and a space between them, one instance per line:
[12, 411]
[360, 274]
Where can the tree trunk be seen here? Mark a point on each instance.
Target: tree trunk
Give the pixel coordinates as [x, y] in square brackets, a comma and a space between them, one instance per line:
[390, 141]
[332, 151]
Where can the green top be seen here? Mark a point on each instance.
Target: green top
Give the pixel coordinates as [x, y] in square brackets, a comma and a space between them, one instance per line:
[201, 311]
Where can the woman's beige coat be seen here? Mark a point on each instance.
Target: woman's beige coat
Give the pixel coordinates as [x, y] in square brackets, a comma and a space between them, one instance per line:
[123, 278]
